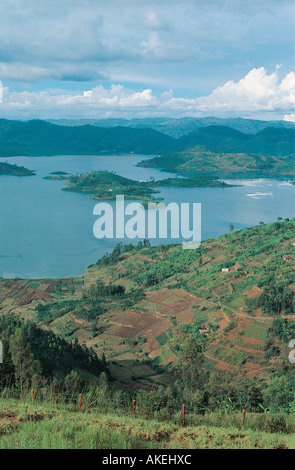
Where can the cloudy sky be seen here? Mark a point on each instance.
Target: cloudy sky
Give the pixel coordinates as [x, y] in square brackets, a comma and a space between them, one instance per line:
[140, 58]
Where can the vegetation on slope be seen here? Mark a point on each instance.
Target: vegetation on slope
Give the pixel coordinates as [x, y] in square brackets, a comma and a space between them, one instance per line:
[173, 325]
[198, 160]
[173, 328]
[34, 357]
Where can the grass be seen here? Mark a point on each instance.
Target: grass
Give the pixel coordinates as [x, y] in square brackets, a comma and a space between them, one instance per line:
[52, 426]
[257, 330]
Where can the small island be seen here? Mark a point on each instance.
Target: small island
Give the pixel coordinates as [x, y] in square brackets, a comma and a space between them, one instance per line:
[15, 170]
[104, 185]
[57, 175]
[194, 182]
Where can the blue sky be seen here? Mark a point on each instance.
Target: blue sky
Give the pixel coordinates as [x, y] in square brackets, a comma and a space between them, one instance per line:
[139, 58]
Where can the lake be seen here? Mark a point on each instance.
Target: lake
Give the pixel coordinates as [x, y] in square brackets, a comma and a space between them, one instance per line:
[46, 232]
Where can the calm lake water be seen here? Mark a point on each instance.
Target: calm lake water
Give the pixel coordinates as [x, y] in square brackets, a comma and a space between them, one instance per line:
[46, 232]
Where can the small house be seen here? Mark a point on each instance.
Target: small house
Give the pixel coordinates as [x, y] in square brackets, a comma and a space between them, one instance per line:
[225, 270]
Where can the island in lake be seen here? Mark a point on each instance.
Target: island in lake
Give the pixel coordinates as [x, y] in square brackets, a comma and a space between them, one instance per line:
[57, 175]
[106, 185]
[15, 170]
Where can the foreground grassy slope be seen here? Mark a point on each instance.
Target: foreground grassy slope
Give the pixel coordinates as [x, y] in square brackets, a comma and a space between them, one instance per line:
[167, 286]
[51, 426]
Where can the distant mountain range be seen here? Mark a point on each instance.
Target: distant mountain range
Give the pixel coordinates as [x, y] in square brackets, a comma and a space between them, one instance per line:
[178, 127]
[43, 138]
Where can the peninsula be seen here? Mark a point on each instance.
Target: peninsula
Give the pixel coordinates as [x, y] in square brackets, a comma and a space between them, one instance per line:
[15, 170]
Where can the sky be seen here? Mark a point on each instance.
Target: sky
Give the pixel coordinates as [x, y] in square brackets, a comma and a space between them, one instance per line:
[143, 58]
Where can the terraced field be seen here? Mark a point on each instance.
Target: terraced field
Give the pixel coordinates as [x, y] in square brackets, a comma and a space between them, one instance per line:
[138, 339]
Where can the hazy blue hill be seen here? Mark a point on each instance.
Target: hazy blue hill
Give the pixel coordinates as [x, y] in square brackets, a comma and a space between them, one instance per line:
[214, 138]
[270, 141]
[43, 138]
[178, 127]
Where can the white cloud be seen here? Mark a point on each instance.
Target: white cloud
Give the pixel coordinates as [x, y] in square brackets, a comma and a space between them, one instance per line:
[256, 92]
[89, 102]
[289, 117]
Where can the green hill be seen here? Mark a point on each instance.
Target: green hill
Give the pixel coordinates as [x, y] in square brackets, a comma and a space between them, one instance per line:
[200, 161]
[270, 141]
[134, 304]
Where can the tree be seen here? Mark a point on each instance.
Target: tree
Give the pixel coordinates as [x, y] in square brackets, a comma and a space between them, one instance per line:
[7, 368]
[73, 381]
[23, 360]
[231, 227]
[279, 395]
[276, 298]
[190, 347]
[146, 243]
[247, 394]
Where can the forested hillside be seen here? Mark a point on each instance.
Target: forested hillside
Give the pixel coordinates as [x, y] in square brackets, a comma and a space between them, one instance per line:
[220, 314]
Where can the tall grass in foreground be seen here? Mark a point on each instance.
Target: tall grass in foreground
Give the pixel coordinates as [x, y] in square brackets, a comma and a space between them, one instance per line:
[25, 425]
[104, 401]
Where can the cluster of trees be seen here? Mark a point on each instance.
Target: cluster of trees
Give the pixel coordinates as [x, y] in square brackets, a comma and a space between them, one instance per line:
[112, 258]
[39, 359]
[34, 356]
[175, 262]
[205, 390]
[281, 331]
[101, 290]
[277, 298]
